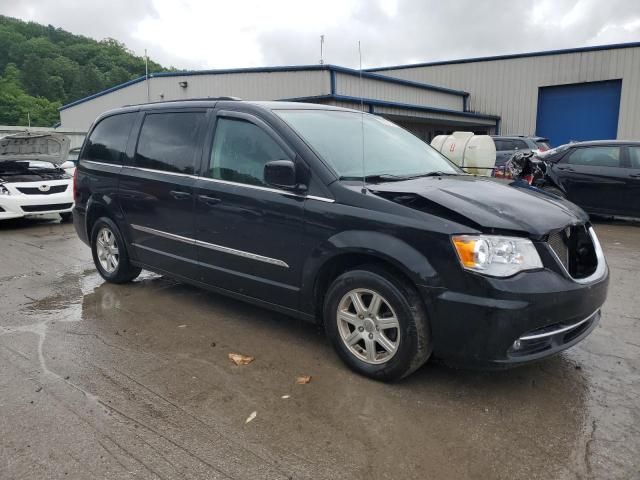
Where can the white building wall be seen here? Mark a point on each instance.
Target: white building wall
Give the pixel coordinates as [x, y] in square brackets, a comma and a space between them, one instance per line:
[248, 86]
[353, 86]
[509, 87]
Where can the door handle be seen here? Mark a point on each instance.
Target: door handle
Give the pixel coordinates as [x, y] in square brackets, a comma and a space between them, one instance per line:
[206, 199]
[179, 195]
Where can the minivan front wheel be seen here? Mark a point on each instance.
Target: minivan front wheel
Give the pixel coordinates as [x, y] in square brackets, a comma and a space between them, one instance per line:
[109, 253]
[377, 323]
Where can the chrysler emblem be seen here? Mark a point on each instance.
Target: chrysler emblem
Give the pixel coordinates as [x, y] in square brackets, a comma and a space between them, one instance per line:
[44, 188]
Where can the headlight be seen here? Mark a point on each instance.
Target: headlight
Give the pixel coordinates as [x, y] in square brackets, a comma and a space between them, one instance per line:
[3, 190]
[495, 255]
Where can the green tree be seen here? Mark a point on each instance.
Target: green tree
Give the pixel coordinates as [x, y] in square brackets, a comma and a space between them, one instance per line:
[44, 67]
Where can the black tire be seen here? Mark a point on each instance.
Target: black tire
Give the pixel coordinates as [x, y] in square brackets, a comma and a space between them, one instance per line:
[414, 344]
[555, 191]
[125, 271]
[66, 217]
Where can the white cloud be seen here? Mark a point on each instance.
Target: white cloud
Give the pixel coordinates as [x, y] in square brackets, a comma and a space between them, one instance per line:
[196, 34]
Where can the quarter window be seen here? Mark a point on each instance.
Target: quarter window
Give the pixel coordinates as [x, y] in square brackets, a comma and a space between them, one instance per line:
[634, 156]
[596, 157]
[108, 139]
[240, 152]
[169, 141]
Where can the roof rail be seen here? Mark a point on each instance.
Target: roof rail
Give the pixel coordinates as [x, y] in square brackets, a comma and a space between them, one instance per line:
[235, 99]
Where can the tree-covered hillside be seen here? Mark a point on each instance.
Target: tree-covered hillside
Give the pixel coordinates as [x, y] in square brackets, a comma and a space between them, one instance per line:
[43, 67]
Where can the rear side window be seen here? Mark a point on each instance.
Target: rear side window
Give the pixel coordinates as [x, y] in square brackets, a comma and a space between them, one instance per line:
[169, 141]
[634, 156]
[240, 152]
[108, 139]
[520, 145]
[596, 157]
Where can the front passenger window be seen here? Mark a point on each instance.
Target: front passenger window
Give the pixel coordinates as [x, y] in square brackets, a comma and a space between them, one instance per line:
[240, 152]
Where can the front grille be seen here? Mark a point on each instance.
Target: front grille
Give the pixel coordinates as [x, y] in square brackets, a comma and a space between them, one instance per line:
[46, 208]
[557, 242]
[575, 250]
[37, 191]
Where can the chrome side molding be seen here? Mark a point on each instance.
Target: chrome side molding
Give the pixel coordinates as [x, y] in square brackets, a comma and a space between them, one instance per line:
[212, 246]
[215, 180]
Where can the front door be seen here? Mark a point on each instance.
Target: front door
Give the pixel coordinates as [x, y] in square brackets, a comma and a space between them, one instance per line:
[248, 233]
[593, 177]
[156, 190]
[632, 192]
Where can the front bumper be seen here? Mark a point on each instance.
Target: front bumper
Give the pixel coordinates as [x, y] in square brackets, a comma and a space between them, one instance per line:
[17, 204]
[545, 311]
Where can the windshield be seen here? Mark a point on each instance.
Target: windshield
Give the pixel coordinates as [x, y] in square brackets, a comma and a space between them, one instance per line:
[389, 150]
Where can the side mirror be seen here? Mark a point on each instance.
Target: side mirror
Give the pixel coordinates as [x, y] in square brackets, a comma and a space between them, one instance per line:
[280, 173]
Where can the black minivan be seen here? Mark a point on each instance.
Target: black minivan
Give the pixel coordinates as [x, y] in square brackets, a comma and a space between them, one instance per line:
[342, 218]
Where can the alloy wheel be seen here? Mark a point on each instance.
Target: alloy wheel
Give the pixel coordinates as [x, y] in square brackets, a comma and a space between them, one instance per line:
[107, 250]
[368, 326]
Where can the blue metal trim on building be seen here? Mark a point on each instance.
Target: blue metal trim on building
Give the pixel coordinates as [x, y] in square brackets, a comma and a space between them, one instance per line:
[596, 48]
[332, 69]
[398, 81]
[384, 103]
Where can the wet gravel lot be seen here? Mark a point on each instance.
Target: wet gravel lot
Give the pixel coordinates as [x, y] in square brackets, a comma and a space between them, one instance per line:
[133, 381]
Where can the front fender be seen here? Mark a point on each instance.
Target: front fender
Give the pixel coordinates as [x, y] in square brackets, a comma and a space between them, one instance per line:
[381, 246]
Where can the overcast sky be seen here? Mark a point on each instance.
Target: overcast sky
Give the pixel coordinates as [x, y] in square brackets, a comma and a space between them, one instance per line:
[197, 34]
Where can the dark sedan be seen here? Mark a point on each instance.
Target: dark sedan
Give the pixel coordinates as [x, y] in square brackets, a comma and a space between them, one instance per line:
[602, 177]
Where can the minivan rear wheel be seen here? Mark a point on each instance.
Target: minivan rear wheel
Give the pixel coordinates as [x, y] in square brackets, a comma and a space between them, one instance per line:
[109, 253]
[377, 323]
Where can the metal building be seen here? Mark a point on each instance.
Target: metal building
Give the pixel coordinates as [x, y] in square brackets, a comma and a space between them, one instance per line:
[578, 94]
[409, 103]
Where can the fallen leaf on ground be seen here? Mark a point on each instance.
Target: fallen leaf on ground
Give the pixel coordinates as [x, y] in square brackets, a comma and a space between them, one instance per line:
[285, 396]
[239, 359]
[302, 379]
[251, 417]
[181, 326]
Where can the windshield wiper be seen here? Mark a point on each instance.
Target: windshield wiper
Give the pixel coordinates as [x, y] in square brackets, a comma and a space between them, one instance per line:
[435, 173]
[381, 177]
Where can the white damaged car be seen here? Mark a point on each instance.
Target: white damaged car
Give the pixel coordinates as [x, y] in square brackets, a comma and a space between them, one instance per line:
[35, 175]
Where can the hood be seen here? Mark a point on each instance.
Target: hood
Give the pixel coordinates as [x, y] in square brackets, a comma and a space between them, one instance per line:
[484, 203]
[48, 147]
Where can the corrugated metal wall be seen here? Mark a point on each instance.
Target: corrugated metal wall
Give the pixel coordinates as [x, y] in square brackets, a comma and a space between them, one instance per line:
[350, 85]
[248, 86]
[509, 87]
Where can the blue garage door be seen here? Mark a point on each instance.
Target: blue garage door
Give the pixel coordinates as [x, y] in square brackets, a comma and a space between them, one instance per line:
[581, 111]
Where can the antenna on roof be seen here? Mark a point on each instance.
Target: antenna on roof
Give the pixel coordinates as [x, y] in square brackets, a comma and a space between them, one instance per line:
[321, 52]
[364, 173]
[146, 74]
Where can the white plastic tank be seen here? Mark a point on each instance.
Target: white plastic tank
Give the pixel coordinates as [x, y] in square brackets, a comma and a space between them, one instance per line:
[475, 154]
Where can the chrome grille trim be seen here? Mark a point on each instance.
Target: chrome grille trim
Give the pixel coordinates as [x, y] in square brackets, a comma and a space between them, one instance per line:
[601, 268]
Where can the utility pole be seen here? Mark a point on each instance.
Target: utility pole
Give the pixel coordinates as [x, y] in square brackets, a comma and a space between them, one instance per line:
[321, 49]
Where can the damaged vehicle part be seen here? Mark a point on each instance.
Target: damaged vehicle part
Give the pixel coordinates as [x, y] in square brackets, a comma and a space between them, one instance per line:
[33, 175]
[341, 218]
